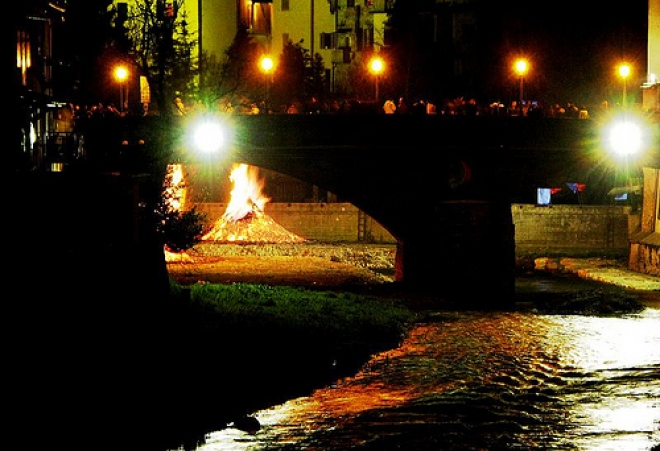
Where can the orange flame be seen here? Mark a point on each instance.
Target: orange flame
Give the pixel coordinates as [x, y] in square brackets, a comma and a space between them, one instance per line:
[246, 197]
[244, 219]
[174, 190]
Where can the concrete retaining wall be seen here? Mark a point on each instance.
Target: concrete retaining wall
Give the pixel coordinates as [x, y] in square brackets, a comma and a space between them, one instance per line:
[573, 229]
[544, 230]
[645, 243]
[328, 222]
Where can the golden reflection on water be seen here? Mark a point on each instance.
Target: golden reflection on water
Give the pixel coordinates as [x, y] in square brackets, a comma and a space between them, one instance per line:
[605, 373]
[593, 343]
[609, 350]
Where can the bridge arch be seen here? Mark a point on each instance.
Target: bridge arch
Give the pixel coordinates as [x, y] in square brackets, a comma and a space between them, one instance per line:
[441, 186]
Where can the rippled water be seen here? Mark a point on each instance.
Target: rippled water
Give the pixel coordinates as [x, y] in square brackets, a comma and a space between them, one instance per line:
[484, 381]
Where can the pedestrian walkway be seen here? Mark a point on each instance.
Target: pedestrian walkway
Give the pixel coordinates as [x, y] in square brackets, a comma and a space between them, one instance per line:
[601, 269]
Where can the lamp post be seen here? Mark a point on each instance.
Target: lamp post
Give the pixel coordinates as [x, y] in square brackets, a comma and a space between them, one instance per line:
[266, 64]
[521, 66]
[629, 140]
[121, 75]
[377, 67]
[624, 73]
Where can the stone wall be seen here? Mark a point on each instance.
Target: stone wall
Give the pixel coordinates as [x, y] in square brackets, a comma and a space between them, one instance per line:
[574, 230]
[327, 222]
[645, 242]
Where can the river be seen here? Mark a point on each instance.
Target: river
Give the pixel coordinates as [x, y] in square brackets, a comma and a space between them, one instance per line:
[476, 380]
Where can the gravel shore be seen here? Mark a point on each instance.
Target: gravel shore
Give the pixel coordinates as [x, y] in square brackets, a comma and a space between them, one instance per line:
[376, 257]
[375, 262]
[305, 264]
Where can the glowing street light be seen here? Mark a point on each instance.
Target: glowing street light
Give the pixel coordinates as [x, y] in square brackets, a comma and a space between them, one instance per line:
[208, 135]
[121, 75]
[627, 137]
[377, 67]
[521, 66]
[267, 64]
[624, 73]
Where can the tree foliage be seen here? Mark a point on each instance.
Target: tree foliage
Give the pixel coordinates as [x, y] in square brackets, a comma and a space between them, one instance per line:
[84, 49]
[180, 230]
[235, 76]
[299, 76]
[290, 81]
[163, 49]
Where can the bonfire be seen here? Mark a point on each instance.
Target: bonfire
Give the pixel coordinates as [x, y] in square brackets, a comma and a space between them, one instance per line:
[175, 199]
[244, 220]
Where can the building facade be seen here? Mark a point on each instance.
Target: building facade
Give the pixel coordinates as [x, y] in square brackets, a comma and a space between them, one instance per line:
[37, 122]
[644, 253]
[651, 89]
[337, 30]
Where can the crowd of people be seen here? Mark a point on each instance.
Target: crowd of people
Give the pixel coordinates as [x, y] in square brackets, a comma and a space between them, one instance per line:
[399, 105]
[471, 107]
[459, 106]
[449, 107]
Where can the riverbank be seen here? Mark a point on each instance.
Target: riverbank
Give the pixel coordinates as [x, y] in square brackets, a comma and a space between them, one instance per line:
[332, 265]
[96, 367]
[606, 270]
[314, 266]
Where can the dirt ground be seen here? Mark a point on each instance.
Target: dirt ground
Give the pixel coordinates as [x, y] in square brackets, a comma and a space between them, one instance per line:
[303, 271]
[300, 265]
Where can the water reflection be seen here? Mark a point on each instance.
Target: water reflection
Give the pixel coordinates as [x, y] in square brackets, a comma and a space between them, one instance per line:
[475, 380]
[620, 405]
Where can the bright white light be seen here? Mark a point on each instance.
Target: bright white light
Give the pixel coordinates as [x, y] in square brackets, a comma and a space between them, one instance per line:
[208, 137]
[625, 137]
[376, 65]
[267, 64]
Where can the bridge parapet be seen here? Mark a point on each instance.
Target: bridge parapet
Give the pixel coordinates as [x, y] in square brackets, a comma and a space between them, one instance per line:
[442, 186]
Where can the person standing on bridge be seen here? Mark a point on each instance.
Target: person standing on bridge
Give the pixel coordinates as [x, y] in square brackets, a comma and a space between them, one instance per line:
[389, 107]
[402, 106]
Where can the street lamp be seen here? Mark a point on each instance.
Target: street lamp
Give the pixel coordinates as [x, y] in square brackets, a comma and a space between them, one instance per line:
[121, 75]
[624, 73]
[266, 64]
[628, 138]
[208, 136]
[521, 66]
[377, 67]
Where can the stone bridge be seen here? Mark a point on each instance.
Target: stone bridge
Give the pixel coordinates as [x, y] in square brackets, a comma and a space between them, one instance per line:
[442, 186]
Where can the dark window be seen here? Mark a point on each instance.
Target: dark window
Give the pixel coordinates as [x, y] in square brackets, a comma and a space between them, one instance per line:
[328, 40]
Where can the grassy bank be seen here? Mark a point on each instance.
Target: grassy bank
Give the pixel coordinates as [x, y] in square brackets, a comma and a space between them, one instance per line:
[233, 349]
[244, 347]
[327, 321]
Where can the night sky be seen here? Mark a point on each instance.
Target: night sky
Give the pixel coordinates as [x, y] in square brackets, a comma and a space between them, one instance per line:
[576, 45]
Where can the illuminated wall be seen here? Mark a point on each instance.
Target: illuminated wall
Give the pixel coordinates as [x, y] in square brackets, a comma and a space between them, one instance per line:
[219, 24]
[651, 89]
[654, 40]
[218, 21]
[302, 19]
[657, 203]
